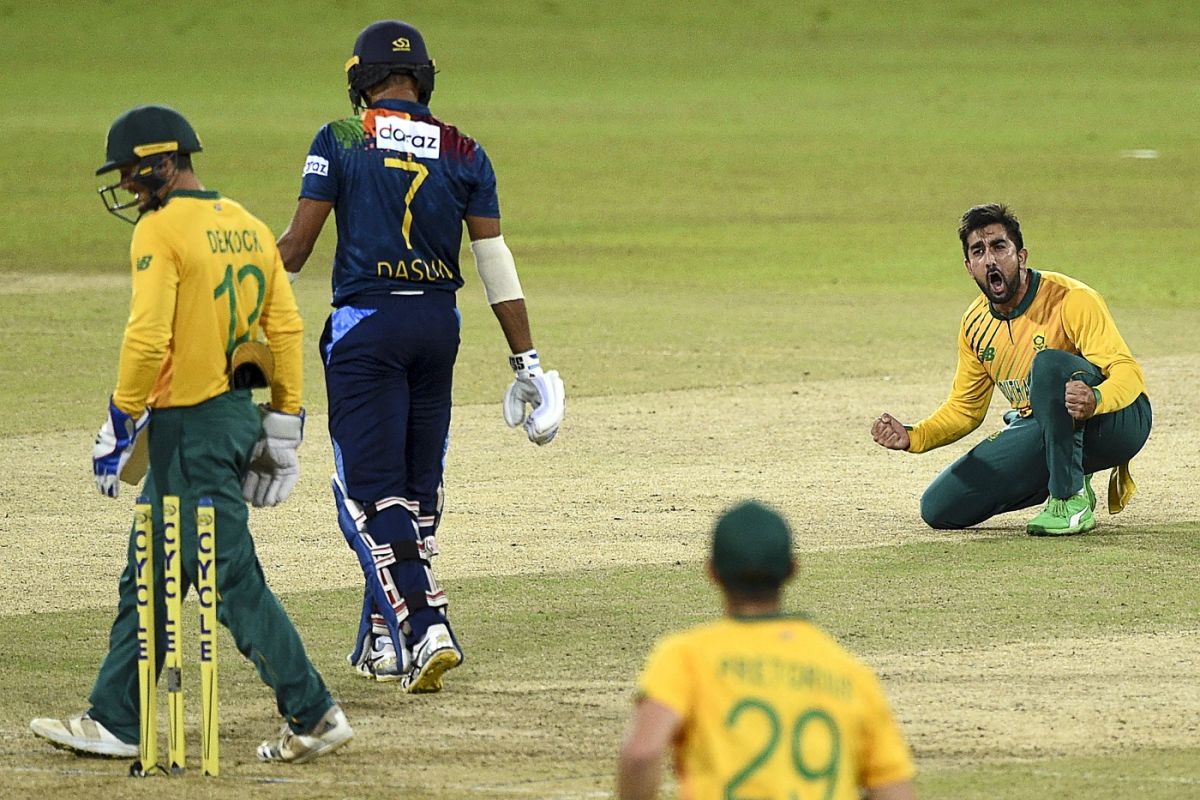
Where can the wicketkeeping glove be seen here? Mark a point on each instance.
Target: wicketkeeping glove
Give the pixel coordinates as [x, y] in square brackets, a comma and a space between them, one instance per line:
[542, 391]
[114, 446]
[274, 468]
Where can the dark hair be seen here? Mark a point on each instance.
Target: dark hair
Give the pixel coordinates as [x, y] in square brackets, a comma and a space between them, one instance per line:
[183, 162]
[763, 593]
[990, 214]
[397, 77]
[755, 584]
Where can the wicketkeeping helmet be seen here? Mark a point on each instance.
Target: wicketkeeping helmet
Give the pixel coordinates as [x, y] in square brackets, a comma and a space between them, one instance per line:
[143, 137]
[145, 131]
[388, 47]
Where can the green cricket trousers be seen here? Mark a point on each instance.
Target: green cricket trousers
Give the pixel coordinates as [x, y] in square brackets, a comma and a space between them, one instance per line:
[1037, 456]
[203, 451]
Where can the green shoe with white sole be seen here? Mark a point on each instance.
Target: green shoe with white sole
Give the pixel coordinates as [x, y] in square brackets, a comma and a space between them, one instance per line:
[1064, 517]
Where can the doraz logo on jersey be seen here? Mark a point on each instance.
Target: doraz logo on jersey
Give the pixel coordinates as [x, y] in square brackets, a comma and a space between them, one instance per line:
[408, 136]
[315, 165]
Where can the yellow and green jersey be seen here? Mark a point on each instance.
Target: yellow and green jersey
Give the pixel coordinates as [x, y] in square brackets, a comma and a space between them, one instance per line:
[206, 277]
[773, 707]
[996, 351]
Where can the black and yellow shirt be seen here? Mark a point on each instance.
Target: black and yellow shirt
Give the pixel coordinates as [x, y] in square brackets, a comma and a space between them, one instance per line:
[206, 277]
[995, 350]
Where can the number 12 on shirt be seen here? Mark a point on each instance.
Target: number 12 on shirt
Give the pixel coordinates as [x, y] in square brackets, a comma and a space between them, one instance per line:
[227, 286]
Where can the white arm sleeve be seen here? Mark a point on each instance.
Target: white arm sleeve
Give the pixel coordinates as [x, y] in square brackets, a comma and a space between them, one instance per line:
[497, 270]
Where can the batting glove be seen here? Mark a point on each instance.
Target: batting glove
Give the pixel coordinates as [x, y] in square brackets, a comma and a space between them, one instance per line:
[114, 446]
[274, 468]
[541, 391]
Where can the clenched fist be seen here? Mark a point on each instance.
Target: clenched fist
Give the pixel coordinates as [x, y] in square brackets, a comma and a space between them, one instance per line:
[888, 432]
[1081, 400]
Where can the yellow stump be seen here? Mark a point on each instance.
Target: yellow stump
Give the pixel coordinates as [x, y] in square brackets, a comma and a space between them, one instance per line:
[143, 544]
[173, 630]
[206, 592]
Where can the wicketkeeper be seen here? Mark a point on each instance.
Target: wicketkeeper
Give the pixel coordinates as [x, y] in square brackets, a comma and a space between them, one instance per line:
[207, 281]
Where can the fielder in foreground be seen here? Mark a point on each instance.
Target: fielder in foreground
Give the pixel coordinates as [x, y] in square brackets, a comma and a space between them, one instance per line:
[402, 184]
[1078, 397]
[759, 703]
[206, 279]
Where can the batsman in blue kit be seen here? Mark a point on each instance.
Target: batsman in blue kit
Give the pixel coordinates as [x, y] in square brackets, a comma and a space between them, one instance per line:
[402, 184]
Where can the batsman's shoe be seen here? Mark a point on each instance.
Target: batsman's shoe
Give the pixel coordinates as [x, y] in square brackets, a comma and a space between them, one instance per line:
[433, 656]
[1063, 517]
[381, 663]
[84, 735]
[328, 735]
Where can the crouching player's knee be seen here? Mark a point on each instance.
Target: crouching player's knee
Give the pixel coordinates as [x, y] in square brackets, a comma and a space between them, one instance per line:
[938, 510]
[1053, 368]
[1052, 360]
[1048, 376]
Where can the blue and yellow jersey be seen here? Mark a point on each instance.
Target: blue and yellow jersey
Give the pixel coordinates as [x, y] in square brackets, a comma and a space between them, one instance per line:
[401, 182]
[773, 707]
[206, 277]
[996, 351]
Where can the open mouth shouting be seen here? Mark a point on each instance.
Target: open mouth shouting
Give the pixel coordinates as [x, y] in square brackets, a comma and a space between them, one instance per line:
[995, 282]
[999, 288]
